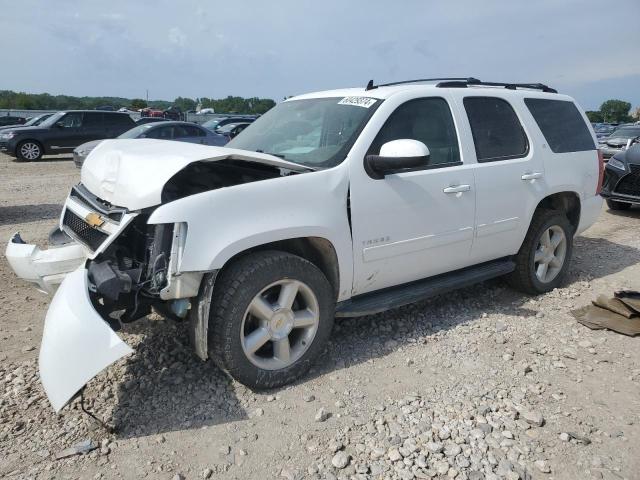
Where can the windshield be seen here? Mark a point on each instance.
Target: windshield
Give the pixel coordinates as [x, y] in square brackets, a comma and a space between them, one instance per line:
[211, 124]
[39, 120]
[316, 132]
[135, 132]
[626, 132]
[227, 128]
[52, 119]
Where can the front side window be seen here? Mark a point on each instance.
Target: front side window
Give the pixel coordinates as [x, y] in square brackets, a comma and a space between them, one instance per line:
[71, 120]
[162, 133]
[561, 124]
[427, 120]
[496, 129]
[316, 132]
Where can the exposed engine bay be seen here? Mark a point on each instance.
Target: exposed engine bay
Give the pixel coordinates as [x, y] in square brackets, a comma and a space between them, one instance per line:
[128, 277]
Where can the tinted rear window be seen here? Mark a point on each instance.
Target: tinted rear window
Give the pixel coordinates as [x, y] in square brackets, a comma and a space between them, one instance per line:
[561, 124]
[497, 132]
[118, 119]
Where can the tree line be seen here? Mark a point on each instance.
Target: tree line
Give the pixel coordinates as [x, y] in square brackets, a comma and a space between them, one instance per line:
[45, 101]
[613, 111]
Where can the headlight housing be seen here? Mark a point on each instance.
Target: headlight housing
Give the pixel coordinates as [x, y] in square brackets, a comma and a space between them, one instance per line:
[615, 163]
[7, 135]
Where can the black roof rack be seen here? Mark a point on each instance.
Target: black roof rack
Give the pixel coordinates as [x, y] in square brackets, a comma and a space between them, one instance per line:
[371, 86]
[510, 86]
[464, 82]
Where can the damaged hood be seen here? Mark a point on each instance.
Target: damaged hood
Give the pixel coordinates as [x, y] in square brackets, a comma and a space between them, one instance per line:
[131, 173]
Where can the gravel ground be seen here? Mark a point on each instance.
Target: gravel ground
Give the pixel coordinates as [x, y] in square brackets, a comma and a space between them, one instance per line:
[484, 383]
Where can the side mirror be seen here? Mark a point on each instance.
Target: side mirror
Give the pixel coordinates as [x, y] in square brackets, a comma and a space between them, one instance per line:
[60, 124]
[397, 156]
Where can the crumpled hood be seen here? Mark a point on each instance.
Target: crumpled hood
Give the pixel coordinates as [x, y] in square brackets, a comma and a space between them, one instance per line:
[131, 173]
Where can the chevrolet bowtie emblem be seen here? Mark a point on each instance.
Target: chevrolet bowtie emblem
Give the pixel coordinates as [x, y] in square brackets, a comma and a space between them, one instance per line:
[94, 219]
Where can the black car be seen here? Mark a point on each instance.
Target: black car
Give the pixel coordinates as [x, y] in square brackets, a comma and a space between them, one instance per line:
[31, 122]
[62, 132]
[232, 130]
[172, 113]
[11, 120]
[621, 185]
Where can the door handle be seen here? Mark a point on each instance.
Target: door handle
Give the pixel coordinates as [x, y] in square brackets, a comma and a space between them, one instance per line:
[457, 189]
[531, 176]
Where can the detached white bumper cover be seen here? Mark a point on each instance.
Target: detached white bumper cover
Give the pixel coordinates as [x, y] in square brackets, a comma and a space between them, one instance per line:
[47, 268]
[76, 343]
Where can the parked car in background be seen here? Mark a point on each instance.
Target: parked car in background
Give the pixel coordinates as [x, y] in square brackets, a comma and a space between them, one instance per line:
[143, 120]
[172, 113]
[232, 130]
[166, 130]
[617, 140]
[11, 120]
[31, 122]
[151, 112]
[621, 187]
[603, 130]
[216, 123]
[62, 132]
[205, 111]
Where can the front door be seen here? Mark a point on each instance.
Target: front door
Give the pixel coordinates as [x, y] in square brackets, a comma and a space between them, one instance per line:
[413, 224]
[66, 134]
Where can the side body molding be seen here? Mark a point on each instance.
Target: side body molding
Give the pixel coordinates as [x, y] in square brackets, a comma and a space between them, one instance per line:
[227, 221]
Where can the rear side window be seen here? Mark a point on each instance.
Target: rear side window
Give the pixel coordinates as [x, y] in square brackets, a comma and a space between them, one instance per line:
[497, 132]
[118, 120]
[561, 124]
[92, 119]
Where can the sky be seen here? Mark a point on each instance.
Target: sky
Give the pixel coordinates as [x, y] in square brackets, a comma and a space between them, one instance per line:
[194, 48]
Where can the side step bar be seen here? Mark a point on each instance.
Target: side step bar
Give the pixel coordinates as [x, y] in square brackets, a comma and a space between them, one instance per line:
[394, 297]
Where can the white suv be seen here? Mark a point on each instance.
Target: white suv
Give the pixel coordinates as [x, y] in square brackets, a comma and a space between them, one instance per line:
[337, 203]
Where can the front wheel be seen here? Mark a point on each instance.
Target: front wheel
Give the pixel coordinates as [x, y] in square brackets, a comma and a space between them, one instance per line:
[616, 205]
[271, 315]
[29, 150]
[544, 257]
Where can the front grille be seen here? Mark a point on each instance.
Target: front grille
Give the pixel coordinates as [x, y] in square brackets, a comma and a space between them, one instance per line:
[86, 233]
[630, 183]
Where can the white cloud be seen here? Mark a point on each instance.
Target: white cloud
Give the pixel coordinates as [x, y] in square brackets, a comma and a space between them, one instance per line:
[177, 36]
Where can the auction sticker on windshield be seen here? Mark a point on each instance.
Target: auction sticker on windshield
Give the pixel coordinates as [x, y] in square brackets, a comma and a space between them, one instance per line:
[365, 102]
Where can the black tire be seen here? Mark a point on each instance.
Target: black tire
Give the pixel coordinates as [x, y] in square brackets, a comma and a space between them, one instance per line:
[36, 148]
[236, 287]
[524, 277]
[616, 205]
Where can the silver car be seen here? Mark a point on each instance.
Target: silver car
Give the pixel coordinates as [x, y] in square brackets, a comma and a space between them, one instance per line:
[169, 130]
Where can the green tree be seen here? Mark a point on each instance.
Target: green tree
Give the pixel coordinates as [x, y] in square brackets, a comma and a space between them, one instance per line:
[185, 103]
[615, 111]
[594, 116]
[138, 103]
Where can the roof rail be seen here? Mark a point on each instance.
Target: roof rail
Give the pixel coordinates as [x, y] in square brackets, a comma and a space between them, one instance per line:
[469, 80]
[511, 86]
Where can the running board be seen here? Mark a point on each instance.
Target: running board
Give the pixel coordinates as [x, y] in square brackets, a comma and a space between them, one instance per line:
[394, 297]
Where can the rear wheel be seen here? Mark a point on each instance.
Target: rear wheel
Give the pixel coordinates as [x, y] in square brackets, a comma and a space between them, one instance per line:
[616, 205]
[545, 254]
[29, 150]
[271, 315]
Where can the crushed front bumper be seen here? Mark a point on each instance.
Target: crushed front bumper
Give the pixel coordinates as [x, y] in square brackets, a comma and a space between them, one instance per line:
[76, 343]
[46, 268]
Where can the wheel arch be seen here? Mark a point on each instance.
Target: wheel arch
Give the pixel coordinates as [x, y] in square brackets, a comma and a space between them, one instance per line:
[565, 201]
[317, 250]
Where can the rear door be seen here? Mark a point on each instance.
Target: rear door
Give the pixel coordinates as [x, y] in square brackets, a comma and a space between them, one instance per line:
[93, 127]
[509, 174]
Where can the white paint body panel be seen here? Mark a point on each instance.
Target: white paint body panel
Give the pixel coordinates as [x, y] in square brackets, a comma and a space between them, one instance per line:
[224, 222]
[46, 268]
[76, 342]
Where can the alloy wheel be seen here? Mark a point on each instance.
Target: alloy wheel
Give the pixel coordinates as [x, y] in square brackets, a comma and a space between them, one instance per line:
[279, 324]
[550, 254]
[30, 150]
